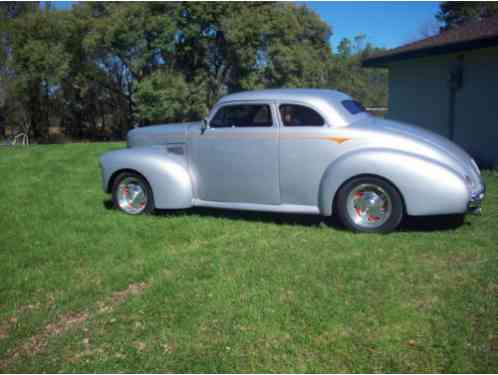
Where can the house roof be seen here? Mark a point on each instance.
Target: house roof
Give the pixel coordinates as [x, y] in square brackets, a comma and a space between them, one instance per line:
[474, 35]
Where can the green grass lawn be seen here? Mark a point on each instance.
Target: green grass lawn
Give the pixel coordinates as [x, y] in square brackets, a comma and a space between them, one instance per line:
[85, 288]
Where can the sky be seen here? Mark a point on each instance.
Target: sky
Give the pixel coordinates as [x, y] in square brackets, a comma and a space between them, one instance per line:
[386, 24]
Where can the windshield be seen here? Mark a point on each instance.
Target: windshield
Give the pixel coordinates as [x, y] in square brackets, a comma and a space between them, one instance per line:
[353, 106]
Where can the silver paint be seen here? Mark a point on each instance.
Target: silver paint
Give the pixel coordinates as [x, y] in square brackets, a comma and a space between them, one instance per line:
[296, 169]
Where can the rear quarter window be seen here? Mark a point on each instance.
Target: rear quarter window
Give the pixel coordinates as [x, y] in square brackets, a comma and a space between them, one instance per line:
[353, 106]
[299, 115]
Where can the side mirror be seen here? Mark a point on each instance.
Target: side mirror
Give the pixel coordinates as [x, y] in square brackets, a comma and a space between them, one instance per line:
[204, 125]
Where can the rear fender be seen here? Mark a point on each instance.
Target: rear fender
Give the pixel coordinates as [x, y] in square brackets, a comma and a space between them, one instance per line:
[166, 173]
[426, 186]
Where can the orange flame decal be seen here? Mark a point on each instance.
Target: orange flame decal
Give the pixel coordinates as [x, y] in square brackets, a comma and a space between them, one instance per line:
[337, 140]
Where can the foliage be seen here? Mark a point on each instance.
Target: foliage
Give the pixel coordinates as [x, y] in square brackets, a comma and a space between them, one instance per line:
[167, 97]
[455, 13]
[98, 69]
[346, 73]
[37, 64]
[227, 291]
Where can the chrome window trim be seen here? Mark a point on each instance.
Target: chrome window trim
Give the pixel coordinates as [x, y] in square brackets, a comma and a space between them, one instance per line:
[301, 126]
[326, 123]
[220, 106]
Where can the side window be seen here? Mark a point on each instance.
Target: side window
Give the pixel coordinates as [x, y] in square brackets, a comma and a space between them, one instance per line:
[242, 116]
[299, 115]
[353, 106]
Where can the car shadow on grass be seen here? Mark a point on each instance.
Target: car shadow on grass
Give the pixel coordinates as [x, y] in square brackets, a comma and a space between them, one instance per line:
[409, 224]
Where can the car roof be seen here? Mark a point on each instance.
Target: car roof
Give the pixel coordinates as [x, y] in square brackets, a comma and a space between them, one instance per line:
[327, 102]
[302, 95]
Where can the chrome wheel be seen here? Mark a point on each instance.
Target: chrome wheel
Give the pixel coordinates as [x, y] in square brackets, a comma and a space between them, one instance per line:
[131, 195]
[369, 206]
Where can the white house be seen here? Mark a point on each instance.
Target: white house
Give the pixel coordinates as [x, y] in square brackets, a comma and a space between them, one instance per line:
[449, 83]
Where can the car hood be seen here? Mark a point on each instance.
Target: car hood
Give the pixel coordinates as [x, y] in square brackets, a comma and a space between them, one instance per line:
[415, 139]
[159, 134]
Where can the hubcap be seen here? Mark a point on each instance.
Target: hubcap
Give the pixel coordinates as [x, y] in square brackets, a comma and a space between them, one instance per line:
[131, 196]
[369, 206]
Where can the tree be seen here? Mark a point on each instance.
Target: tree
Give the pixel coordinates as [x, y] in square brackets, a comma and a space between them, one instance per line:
[9, 10]
[455, 13]
[165, 96]
[241, 46]
[346, 74]
[297, 49]
[36, 63]
[126, 43]
[98, 69]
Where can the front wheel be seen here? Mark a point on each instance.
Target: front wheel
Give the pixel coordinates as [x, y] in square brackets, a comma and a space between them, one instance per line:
[132, 194]
[369, 204]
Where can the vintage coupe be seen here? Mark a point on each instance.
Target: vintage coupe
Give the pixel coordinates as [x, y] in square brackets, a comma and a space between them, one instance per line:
[294, 150]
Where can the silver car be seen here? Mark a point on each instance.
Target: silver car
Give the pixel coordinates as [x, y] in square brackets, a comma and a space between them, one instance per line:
[297, 151]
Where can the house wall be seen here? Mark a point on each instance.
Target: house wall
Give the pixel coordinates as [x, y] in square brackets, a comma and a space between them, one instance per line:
[476, 110]
[419, 93]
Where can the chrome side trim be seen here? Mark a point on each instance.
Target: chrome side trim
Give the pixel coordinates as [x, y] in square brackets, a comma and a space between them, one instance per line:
[284, 208]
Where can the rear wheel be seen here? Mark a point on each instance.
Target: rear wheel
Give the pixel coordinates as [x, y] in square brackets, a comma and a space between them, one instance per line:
[369, 204]
[132, 194]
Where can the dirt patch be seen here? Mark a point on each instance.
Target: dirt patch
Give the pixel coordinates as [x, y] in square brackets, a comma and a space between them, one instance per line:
[132, 290]
[463, 259]
[426, 303]
[66, 322]
[7, 325]
[37, 342]
[139, 345]
[4, 332]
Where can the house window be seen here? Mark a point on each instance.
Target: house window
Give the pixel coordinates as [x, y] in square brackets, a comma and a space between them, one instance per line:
[299, 115]
[242, 116]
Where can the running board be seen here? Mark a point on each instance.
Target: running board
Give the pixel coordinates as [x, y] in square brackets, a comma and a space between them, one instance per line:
[285, 208]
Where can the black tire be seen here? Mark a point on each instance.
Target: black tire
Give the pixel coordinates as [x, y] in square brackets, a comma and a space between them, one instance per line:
[396, 205]
[139, 180]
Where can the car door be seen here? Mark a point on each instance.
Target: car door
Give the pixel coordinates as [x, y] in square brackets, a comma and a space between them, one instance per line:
[236, 157]
[305, 152]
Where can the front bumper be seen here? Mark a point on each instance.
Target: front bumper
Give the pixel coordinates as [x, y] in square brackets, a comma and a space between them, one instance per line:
[474, 205]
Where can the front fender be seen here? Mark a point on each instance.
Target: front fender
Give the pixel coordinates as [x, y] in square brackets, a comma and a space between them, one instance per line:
[166, 173]
[426, 186]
